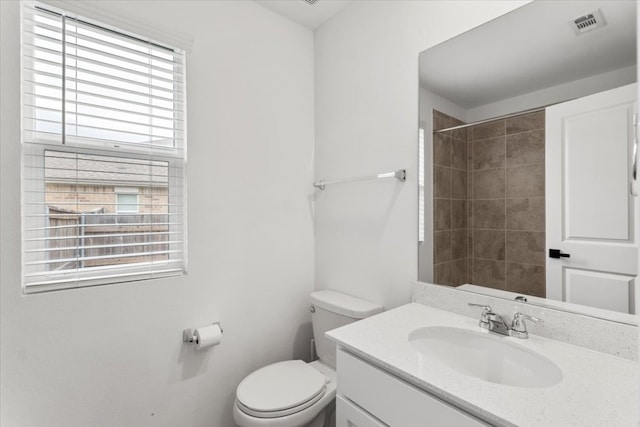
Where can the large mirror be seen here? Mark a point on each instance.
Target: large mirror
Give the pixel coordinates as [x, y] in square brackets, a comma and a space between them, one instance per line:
[527, 156]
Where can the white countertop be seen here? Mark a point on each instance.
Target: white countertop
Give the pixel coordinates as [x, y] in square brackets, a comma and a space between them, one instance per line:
[597, 389]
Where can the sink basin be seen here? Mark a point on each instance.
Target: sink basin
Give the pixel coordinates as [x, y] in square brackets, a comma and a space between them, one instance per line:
[486, 356]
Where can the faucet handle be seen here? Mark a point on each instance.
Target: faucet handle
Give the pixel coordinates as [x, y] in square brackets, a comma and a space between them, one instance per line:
[519, 327]
[485, 307]
[484, 317]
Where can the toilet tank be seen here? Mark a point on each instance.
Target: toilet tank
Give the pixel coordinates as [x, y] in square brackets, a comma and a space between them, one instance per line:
[330, 310]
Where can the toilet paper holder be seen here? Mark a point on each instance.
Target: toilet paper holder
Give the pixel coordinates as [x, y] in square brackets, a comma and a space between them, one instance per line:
[188, 335]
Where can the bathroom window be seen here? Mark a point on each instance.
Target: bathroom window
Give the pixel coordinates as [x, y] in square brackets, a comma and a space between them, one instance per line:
[127, 200]
[103, 153]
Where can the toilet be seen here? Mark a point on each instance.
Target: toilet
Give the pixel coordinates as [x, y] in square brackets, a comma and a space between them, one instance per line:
[294, 393]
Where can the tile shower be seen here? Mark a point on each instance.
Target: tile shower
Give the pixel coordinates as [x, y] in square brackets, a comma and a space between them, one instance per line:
[488, 203]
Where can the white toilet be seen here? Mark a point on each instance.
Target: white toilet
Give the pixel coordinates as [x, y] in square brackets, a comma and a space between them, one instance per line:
[294, 393]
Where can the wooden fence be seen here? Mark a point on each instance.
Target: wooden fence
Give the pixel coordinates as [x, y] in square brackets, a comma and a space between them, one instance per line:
[89, 239]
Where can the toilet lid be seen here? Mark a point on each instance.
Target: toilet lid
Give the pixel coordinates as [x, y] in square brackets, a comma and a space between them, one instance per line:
[280, 387]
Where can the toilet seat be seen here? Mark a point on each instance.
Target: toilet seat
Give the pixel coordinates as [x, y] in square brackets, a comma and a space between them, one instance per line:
[280, 389]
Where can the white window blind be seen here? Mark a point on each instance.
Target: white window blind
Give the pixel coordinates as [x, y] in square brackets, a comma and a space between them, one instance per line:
[102, 110]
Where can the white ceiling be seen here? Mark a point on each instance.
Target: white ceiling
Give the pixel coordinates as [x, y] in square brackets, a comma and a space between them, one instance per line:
[530, 49]
[305, 14]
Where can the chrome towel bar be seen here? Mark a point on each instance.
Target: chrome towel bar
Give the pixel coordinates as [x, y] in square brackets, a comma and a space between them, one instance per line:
[400, 175]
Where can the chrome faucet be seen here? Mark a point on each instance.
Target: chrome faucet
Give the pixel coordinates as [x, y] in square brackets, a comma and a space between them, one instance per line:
[493, 322]
[519, 328]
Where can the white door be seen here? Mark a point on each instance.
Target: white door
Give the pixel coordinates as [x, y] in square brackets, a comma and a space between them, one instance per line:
[590, 213]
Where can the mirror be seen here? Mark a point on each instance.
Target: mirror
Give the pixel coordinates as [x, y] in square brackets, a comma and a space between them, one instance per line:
[526, 156]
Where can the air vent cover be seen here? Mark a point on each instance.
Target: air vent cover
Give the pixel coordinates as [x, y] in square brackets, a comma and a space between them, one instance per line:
[588, 22]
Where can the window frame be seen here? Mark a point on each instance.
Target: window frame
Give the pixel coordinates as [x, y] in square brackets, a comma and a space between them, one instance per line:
[127, 191]
[174, 156]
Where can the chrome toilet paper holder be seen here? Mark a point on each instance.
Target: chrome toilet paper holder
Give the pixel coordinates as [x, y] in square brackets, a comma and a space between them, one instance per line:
[188, 335]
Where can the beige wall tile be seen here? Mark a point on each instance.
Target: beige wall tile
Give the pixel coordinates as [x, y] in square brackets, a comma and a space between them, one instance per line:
[458, 214]
[458, 244]
[489, 154]
[441, 182]
[489, 244]
[525, 123]
[440, 121]
[526, 247]
[458, 154]
[458, 184]
[489, 214]
[489, 184]
[526, 214]
[526, 279]
[489, 130]
[442, 214]
[489, 273]
[459, 271]
[441, 150]
[525, 148]
[525, 181]
[442, 274]
[442, 246]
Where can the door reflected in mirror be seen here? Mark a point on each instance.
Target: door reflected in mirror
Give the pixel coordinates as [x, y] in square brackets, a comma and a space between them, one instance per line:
[527, 151]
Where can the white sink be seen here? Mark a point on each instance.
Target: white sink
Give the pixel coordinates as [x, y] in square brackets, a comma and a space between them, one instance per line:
[486, 356]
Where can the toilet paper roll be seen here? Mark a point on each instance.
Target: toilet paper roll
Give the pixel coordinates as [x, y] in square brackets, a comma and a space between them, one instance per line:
[208, 336]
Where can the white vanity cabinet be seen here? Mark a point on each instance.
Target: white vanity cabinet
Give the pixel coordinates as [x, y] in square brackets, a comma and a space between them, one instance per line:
[370, 397]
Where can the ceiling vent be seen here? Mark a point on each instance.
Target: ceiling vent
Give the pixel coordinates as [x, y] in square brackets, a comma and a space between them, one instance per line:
[311, 1]
[588, 22]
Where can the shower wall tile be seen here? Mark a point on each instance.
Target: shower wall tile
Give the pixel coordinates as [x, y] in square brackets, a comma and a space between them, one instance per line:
[489, 154]
[489, 130]
[525, 123]
[525, 148]
[459, 271]
[489, 214]
[441, 121]
[442, 246]
[505, 211]
[442, 214]
[458, 214]
[441, 150]
[525, 181]
[459, 134]
[526, 214]
[525, 279]
[489, 273]
[489, 184]
[458, 184]
[489, 244]
[458, 244]
[526, 247]
[442, 274]
[458, 154]
[441, 182]
[450, 184]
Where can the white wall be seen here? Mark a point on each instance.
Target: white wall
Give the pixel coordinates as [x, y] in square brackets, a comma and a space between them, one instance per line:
[112, 355]
[367, 122]
[551, 95]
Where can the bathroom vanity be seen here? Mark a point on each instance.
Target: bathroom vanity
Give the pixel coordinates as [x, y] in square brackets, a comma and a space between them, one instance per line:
[387, 375]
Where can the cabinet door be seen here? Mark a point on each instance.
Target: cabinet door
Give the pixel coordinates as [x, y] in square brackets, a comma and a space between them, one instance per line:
[349, 415]
[393, 401]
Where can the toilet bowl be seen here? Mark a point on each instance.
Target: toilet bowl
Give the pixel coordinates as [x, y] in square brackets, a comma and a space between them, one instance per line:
[286, 394]
[294, 393]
